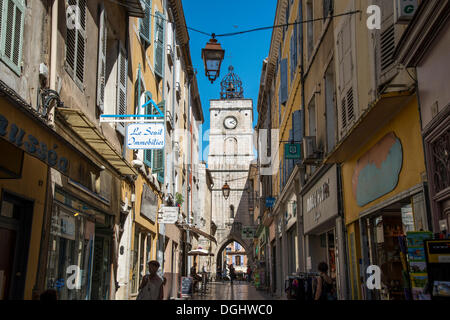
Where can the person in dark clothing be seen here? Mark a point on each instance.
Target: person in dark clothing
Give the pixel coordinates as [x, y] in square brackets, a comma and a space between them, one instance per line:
[232, 273]
[324, 288]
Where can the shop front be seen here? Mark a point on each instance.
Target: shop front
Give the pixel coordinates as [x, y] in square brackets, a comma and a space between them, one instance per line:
[261, 272]
[323, 227]
[34, 160]
[384, 197]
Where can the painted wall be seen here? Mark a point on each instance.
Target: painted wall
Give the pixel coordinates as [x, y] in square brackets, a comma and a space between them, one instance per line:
[406, 127]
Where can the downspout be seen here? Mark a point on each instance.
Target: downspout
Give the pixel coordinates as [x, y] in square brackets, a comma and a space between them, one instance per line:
[188, 202]
[53, 57]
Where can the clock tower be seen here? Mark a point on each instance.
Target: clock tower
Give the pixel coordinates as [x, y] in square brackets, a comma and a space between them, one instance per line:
[230, 154]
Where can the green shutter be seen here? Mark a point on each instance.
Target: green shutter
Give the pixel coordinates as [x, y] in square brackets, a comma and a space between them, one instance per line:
[145, 23]
[158, 155]
[159, 44]
[148, 110]
[11, 33]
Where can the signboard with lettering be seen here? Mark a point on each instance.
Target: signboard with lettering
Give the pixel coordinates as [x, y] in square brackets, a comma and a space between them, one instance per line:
[320, 202]
[145, 136]
[186, 287]
[292, 151]
[270, 202]
[168, 215]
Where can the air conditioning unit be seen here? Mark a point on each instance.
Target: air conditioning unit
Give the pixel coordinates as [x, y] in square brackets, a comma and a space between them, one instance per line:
[310, 152]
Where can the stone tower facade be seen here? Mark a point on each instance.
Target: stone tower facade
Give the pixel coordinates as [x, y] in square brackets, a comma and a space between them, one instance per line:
[230, 154]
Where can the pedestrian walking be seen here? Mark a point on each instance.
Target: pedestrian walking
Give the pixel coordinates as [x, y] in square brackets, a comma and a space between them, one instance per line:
[232, 273]
[324, 284]
[249, 273]
[151, 287]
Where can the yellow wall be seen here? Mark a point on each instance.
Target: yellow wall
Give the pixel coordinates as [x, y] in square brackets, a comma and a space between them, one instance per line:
[29, 188]
[406, 126]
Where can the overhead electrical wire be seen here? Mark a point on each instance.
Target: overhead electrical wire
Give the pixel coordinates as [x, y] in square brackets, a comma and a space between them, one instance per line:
[261, 28]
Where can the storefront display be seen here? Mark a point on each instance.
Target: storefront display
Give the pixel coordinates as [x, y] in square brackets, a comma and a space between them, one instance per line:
[438, 267]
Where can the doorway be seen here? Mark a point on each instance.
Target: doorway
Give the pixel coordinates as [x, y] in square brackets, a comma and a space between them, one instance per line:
[15, 227]
[101, 273]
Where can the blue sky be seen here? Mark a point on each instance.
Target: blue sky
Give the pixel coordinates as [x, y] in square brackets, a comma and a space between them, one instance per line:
[245, 52]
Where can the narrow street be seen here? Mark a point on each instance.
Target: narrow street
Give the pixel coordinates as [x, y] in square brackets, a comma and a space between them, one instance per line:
[239, 290]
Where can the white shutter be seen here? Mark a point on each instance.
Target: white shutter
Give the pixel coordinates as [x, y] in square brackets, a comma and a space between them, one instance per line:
[385, 42]
[76, 44]
[346, 95]
[121, 105]
[101, 72]
[177, 71]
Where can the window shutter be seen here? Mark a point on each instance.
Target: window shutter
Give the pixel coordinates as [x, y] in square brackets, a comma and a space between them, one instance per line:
[76, 44]
[284, 80]
[295, 48]
[148, 110]
[159, 45]
[121, 105]
[290, 162]
[291, 55]
[101, 72]
[12, 14]
[145, 23]
[346, 79]
[297, 125]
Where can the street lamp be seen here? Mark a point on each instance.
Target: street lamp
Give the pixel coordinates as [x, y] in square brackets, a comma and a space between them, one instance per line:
[226, 190]
[212, 56]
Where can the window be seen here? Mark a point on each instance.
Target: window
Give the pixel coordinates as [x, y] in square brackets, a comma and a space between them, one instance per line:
[159, 44]
[293, 53]
[231, 212]
[145, 23]
[238, 260]
[12, 14]
[310, 27]
[76, 44]
[327, 8]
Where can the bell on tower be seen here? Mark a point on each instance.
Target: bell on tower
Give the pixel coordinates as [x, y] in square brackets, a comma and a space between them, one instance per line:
[231, 86]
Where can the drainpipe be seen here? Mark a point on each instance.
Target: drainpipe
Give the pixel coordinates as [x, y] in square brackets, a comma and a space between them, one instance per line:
[188, 202]
[53, 57]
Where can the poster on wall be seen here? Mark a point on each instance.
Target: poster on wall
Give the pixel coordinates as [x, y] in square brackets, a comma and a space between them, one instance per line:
[417, 263]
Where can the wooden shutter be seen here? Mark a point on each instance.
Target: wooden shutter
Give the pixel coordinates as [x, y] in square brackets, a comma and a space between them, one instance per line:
[148, 110]
[297, 125]
[101, 72]
[145, 23]
[283, 82]
[76, 44]
[386, 39]
[122, 71]
[159, 45]
[158, 155]
[346, 78]
[295, 49]
[291, 55]
[12, 14]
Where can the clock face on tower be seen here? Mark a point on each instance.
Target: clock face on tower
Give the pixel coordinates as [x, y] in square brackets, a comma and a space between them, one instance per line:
[230, 123]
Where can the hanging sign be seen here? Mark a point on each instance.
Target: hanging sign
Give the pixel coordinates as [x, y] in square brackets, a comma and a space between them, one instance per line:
[405, 9]
[145, 136]
[270, 202]
[248, 232]
[292, 151]
[168, 215]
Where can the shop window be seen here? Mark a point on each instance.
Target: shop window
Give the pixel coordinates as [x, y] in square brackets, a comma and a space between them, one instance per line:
[134, 279]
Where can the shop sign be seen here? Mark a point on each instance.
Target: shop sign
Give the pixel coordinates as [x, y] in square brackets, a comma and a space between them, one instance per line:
[320, 203]
[292, 151]
[33, 145]
[270, 202]
[145, 136]
[149, 203]
[405, 9]
[168, 215]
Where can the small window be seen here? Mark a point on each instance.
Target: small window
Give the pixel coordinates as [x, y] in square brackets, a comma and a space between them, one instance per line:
[231, 212]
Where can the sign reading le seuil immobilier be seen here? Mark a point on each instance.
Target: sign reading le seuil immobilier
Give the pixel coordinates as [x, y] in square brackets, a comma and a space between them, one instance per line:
[145, 136]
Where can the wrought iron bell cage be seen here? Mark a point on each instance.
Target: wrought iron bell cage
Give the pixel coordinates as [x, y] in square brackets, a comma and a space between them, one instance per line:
[231, 86]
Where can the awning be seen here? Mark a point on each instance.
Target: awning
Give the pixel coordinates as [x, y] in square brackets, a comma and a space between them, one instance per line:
[82, 126]
[197, 231]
